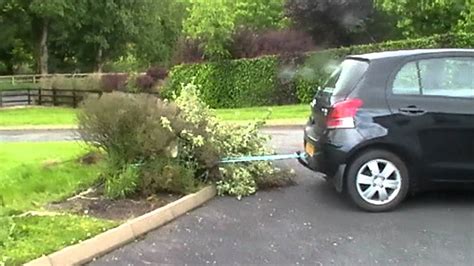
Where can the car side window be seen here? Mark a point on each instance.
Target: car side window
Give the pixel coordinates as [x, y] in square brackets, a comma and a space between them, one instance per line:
[406, 81]
[449, 77]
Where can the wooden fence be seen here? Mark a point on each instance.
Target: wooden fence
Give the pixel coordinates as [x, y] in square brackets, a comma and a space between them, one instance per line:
[51, 97]
[33, 79]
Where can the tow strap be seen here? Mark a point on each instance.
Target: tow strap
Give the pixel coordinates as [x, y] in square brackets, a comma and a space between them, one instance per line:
[296, 155]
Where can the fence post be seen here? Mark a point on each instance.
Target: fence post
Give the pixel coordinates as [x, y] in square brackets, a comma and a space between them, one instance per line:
[29, 96]
[1, 98]
[54, 96]
[74, 100]
[34, 79]
[40, 91]
[13, 80]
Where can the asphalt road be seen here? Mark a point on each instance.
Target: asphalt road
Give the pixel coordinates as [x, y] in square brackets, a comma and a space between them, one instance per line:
[311, 224]
[38, 135]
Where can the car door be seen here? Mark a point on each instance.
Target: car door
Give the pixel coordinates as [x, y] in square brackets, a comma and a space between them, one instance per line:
[432, 98]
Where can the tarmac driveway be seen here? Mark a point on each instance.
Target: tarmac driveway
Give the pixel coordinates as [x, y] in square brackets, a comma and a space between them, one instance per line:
[310, 223]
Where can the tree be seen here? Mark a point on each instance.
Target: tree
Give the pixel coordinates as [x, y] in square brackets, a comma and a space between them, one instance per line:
[75, 35]
[260, 15]
[43, 14]
[112, 29]
[40, 15]
[161, 26]
[423, 18]
[466, 23]
[16, 49]
[330, 22]
[214, 22]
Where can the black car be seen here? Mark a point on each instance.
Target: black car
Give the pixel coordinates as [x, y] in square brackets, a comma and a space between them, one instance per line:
[393, 122]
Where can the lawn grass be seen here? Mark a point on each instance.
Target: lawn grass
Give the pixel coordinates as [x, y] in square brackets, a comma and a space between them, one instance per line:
[287, 114]
[31, 175]
[35, 116]
[35, 236]
[57, 116]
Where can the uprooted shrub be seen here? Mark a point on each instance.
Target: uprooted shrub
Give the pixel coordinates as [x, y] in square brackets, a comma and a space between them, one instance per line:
[158, 146]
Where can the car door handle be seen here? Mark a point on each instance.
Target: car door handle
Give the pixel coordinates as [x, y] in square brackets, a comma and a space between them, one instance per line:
[412, 110]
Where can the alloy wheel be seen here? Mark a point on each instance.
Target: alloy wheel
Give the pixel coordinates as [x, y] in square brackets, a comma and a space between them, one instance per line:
[378, 181]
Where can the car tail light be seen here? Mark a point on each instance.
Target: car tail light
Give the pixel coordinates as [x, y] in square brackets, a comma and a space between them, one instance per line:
[342, 114]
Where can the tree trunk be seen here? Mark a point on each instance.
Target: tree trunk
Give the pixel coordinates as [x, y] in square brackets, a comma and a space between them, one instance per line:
[43, 49]
[99, 60]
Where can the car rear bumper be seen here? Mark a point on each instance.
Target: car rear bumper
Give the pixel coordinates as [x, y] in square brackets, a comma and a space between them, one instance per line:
[322, 159]
[328, 158]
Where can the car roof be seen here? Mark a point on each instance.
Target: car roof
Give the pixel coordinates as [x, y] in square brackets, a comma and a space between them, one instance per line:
[407, 53]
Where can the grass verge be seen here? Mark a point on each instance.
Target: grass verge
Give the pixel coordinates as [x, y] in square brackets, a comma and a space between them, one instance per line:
[56, 116]
[31, 175]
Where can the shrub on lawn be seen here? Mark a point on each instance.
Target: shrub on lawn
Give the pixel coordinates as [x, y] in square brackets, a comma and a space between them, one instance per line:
[254, 82]
[157, 146]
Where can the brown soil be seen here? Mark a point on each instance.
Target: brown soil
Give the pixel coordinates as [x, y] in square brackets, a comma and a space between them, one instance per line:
[96, 205]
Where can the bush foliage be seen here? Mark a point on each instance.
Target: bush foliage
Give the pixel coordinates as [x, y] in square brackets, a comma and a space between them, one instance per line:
[257, 82]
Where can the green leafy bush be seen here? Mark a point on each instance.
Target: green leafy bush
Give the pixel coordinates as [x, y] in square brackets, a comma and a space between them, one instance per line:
[257, 82]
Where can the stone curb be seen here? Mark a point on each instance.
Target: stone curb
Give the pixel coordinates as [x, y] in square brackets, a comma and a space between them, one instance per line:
[103, 243]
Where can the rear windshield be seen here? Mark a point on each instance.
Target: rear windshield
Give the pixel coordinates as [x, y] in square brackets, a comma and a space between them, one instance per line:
[345, 77]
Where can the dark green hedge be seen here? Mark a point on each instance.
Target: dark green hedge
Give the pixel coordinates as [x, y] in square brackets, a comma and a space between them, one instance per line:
[272, 80]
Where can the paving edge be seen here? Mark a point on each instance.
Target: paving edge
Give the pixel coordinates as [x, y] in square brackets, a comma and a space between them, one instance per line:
[105, 242]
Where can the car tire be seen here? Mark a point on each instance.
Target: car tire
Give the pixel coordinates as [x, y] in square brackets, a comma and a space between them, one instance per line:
[377, 181]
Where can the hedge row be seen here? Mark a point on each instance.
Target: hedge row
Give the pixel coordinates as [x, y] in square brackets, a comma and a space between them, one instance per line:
[272, 80]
